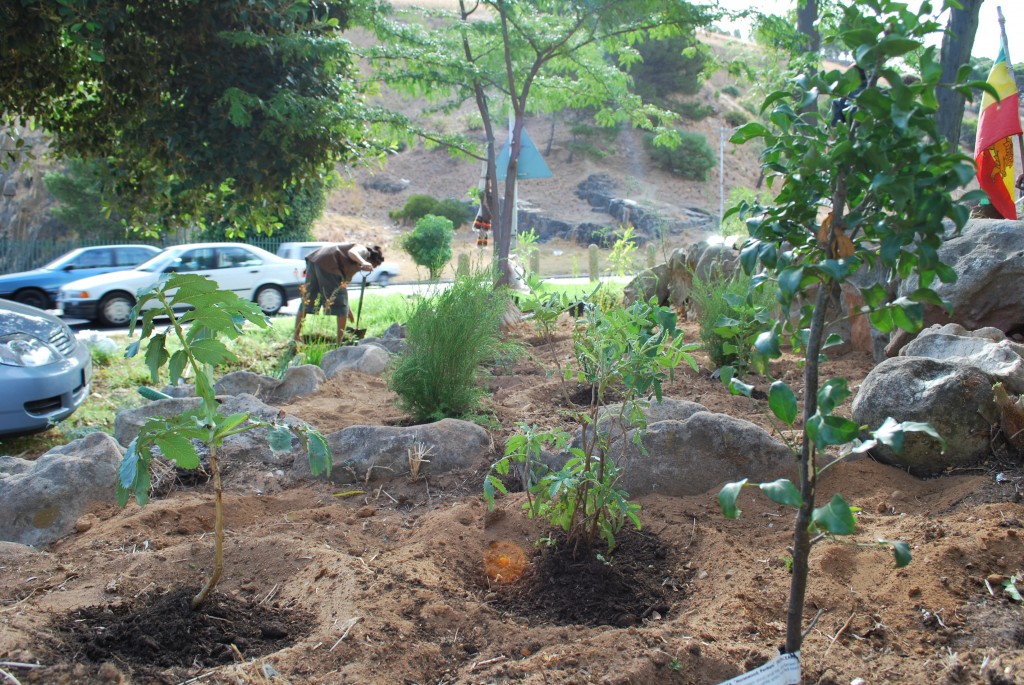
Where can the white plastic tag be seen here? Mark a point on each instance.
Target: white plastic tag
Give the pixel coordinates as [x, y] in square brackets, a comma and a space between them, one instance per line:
[785, 670]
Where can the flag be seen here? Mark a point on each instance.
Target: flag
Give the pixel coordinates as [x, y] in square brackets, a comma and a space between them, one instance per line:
[993, 148]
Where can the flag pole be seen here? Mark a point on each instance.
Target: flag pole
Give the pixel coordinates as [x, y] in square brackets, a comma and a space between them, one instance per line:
[1009, 67]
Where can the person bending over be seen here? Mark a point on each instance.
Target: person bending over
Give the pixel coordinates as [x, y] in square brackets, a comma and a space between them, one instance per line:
[328, 272]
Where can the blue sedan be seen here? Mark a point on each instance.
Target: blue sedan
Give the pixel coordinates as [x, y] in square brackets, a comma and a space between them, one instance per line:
[38, 287]
[45, 371]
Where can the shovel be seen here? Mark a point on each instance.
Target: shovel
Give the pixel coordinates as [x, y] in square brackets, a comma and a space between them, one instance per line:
[358, 333]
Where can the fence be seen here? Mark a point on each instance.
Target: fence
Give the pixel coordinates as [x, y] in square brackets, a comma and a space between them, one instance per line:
[23, 255]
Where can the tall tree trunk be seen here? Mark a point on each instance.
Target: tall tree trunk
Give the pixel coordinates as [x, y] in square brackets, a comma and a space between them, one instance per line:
[957, 44]
[806, 15]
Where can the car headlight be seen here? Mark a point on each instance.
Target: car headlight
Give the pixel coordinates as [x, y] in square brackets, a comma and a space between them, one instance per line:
[67, 295]
[20, 349]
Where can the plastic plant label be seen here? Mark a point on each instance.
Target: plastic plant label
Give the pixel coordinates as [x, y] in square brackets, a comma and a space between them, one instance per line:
[784, 670]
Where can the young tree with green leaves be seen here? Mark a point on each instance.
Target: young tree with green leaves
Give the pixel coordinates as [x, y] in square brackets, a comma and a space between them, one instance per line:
[527, 57]
[206, 110]
[430, 243]
[873, 187]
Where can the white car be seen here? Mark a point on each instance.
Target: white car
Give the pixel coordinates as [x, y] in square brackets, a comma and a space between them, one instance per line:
[252, 273]
[381, 276]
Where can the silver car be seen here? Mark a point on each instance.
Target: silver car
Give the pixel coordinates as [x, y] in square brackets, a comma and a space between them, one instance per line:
[45, 371]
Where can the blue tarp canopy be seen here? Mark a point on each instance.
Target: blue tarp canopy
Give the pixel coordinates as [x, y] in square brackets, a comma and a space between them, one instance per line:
[531, 164]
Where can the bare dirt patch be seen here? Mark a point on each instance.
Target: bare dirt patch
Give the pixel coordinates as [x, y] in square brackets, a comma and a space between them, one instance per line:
[398, 572]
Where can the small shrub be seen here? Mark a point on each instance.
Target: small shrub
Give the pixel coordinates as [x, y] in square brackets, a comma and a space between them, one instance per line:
[728, 322]
[449, 337]
[732, 223]
[691, 159]
[455, 211]
[735, 118]
[430, 243]
[632, 349]
[416, 207]
[695, 110]
[731, 90]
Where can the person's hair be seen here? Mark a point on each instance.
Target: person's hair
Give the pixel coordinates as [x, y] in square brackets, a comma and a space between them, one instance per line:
[376, 255]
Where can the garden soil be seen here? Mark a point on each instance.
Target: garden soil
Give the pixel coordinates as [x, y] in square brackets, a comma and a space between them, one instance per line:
[413, 581]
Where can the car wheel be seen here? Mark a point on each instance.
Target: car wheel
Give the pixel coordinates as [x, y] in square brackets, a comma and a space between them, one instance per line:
[270, 299]
[115, 309]
[33, 297]
[383, 279]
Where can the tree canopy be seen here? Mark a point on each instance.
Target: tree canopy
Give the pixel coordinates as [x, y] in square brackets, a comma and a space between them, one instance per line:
[526, 57]
[204, 110]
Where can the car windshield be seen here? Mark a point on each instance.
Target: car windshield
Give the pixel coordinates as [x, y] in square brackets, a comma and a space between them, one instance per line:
[60, 262]
[160, 261]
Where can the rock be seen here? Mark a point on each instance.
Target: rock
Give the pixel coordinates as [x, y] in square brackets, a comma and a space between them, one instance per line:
[375, 453]
[699, 454]
[987, 350]
[13, 552]
[383, 184]
[667, 410]
[253, 446]
[954, 397]
[128, 422]
[988, 258]
[392, 345]
[42, 500]
[298, 380]
[395, 330]
[369, 359]
[672, 282]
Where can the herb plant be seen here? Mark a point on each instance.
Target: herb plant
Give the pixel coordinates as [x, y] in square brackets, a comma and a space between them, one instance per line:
[212, 314]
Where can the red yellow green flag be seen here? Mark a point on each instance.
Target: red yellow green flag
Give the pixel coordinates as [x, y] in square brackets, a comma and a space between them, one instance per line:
[993, 148]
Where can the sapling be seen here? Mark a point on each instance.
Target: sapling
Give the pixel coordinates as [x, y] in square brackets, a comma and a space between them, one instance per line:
[211, 314]
[866, 181]
[634, 349]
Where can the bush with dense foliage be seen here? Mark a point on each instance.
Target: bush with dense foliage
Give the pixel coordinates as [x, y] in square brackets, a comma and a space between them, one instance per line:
[669, 66]
[691, 159]
[418, 206]
[430, 243]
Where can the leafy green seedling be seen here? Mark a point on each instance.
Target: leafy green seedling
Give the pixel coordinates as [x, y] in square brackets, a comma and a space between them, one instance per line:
[211, 314]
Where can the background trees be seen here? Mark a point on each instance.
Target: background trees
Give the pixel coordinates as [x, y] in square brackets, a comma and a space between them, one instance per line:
[206, 110]
[530, 56]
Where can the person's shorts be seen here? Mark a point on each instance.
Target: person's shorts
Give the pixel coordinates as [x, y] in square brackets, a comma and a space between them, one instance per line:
[324, 289]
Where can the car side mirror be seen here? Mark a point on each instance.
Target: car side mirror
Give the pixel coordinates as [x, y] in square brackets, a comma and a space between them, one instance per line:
[171, 269]
[69, 267]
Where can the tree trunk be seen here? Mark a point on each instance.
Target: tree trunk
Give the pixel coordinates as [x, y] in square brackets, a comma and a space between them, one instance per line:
[808, 477]
[957, 44]
[806, 15]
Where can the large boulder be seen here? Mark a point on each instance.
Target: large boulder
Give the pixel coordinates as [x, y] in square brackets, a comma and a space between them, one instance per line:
[671, 283]
[988, 258]
[41, 500]
[375, 453]
[699, 454]
[368, 359]
[667, 410]
[953, 396]
[986, 349]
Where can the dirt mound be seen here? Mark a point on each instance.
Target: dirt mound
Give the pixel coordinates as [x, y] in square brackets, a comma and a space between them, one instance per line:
[393, 578]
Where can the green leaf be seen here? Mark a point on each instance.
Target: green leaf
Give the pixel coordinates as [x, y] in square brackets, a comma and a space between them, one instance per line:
[836, 517]
[178, 449]
[280, 438]
[908, 315]
[783, 492]
[832, 394]
[749, 131]
[900, 550]
[133, 476]
[319, 453]
[210, 351]
[874, 296]
[789, 282]
[176, 366]
[782, 402]
[831, 430]
[738, 387]
[767, 343]
[727, 499]
[156, 355]
[226, 425]
[891, 433]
